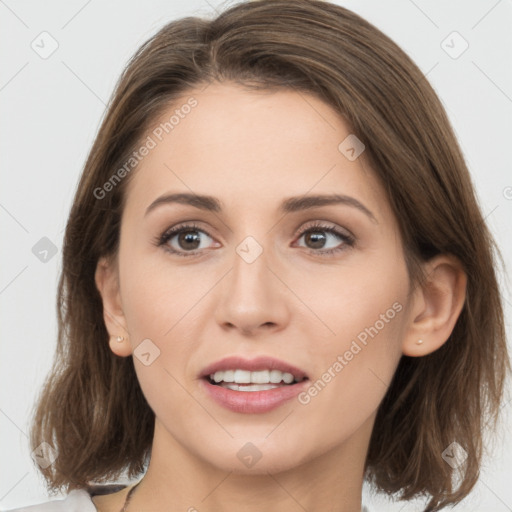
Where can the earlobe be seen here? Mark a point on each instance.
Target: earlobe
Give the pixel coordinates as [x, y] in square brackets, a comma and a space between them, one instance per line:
[120, 345]
[107, 283]
[436, 306]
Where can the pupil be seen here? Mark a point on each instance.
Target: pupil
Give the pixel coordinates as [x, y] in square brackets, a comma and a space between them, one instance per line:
[317, 238]
[188, 237]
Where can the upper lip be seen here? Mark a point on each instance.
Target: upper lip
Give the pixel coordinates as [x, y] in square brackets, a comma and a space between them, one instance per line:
[258, 363]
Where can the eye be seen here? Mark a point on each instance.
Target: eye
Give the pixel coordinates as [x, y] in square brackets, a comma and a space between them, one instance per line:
[185, 239]
[182, 240]
[318, 235]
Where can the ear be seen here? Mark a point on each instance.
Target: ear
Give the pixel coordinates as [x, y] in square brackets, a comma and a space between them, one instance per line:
[107, 282]
[436, 306]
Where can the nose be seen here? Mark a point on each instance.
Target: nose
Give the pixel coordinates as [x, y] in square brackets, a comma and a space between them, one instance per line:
[254, 297]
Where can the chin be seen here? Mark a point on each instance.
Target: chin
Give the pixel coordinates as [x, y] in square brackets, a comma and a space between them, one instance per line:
[257, 456]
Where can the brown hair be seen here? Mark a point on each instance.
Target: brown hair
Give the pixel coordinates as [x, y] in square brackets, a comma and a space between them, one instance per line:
[91, 408]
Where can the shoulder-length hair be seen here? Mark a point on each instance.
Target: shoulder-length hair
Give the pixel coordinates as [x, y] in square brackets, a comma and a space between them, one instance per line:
[91, 408]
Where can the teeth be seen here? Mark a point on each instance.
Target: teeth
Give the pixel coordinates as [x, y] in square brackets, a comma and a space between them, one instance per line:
[251, 387]
[247, 377]
[275, 376]
[242, 377]
[262, 377]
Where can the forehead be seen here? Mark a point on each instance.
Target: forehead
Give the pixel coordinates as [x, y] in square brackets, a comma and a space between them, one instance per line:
[248, 146]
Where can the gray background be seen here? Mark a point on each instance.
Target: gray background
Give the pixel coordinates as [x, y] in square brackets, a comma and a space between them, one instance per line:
[51, 109]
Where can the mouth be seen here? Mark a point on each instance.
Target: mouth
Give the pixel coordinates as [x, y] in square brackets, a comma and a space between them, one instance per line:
[250, 381]
[252, 386]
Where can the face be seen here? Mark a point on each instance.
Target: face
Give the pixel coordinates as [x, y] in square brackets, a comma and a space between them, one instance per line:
[320, 287]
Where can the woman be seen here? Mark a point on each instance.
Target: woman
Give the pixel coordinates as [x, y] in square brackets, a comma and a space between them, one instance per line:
[337, 316]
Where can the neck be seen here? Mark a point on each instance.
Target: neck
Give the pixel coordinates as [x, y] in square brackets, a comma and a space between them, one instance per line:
[175, 476]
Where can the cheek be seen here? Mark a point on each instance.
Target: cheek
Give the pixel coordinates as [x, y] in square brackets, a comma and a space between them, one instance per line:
[161, 305]
[354, 361]
[158, 303]
[158, 298]
[352, 298]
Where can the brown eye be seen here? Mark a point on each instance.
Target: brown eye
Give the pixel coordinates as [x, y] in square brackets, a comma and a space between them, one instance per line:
[317, 237]
[184, 240]
[188, 240]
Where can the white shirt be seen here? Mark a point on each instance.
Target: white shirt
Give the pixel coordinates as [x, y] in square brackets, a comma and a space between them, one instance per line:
[79, 500]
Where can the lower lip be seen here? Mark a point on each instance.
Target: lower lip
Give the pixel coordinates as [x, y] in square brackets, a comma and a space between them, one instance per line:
[253, 402]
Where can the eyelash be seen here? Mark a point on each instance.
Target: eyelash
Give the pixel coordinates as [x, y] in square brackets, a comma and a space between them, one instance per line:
[162, 239]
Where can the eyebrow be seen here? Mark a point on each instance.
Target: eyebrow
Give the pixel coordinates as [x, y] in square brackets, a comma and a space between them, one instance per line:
[289, 205]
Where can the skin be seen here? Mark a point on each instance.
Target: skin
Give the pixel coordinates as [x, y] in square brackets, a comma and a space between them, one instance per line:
[251, 150]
